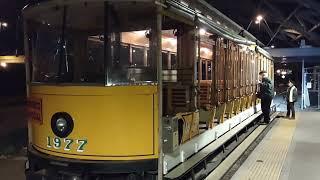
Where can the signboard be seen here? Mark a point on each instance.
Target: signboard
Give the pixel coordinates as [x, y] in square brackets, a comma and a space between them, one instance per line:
[34, 109]
[309, 85]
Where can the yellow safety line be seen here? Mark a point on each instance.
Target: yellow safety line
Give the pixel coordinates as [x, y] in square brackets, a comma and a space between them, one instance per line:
[268, 162]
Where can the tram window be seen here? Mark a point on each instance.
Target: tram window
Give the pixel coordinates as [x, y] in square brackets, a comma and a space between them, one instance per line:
[125, 55]
[137, 57]
[165, 60]
[45, 61]
[173, 61]
[69, 49]
[209, 71]
[197, 74]
[204, 69]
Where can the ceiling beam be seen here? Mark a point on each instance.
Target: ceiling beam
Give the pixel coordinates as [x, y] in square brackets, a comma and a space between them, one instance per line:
[292, 31]
[309, 31]
[269, 31]
[300, 22]
[275, 11]
[287, 19]
[311, 4]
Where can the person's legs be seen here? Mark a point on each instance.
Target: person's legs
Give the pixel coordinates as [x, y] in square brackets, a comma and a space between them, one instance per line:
[267, 110]
[292, 110]
[263, 108]
[288, 109]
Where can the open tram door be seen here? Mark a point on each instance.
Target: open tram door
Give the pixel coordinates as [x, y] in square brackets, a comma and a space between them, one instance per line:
[94, 89]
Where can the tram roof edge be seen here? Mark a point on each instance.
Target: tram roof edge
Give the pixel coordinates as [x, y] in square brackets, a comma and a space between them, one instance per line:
[227, 21]
[48, 2]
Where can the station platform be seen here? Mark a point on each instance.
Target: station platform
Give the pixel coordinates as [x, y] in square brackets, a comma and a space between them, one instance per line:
[289, 151]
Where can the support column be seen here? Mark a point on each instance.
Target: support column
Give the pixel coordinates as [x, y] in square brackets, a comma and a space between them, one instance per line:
[303, 86]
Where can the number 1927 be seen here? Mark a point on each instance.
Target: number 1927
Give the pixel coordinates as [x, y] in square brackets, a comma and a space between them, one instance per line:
[66, 144]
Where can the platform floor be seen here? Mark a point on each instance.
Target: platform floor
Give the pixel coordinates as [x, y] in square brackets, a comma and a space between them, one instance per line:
[290, 151]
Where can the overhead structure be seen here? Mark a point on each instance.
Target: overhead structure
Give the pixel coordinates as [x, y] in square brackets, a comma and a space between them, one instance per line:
[287, 21]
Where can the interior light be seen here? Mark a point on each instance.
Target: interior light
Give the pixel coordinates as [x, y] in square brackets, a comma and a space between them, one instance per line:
[3, 64]
[202, 32]
[278, 71]
[272, 46]
[283, 76]
[283, 72]
[5, 24]
[259, 18]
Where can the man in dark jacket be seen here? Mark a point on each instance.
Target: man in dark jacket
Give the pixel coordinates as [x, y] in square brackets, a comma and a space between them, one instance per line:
[266, 94]
[292, 97]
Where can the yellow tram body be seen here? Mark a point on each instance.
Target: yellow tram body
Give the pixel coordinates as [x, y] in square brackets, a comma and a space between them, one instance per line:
[119, 123]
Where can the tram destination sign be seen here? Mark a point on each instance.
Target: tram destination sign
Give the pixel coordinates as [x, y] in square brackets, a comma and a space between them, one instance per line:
[34, 109]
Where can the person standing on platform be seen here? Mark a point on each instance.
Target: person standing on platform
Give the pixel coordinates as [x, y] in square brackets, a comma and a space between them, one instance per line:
[266, 94]
[292, 96]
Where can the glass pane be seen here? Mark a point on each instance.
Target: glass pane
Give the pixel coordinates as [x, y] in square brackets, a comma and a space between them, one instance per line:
[197, 74]
[69, 49]
[165, 60]
[137, 56]
[209, 71]
[174, 61]
[66, 48]
[204, 70]
[138, 65]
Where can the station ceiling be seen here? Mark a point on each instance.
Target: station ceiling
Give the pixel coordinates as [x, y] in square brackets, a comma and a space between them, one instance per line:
[285, 23]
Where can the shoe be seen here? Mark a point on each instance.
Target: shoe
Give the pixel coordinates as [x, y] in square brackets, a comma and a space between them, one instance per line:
[292, 118]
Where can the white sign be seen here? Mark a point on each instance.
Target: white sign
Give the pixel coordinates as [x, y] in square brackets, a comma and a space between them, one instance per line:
[309, 85]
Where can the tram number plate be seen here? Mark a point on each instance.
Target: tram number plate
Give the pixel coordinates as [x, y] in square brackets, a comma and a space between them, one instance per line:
[67, 144]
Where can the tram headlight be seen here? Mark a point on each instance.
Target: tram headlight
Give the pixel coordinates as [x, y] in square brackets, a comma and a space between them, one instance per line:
[62, 124]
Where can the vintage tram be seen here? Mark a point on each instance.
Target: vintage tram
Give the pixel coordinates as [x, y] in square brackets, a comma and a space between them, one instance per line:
[120, 89]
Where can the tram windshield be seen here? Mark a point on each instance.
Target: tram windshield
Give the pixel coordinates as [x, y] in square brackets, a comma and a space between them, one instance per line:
[91, 42]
